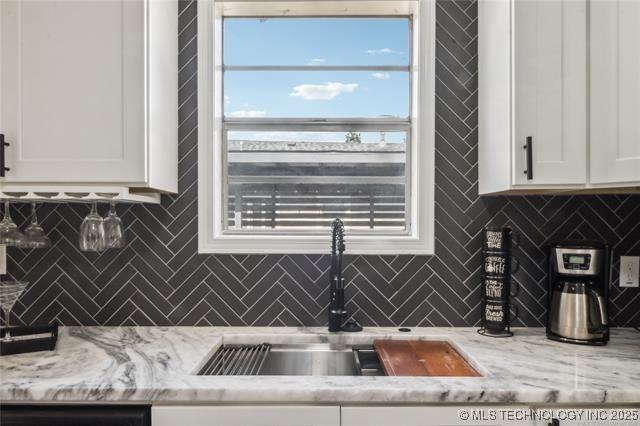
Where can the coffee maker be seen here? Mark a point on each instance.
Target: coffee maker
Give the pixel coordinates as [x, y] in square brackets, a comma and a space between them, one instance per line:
[578, 292]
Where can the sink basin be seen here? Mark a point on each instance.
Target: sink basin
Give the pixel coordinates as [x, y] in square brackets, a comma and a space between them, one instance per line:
[401, 357]
[316, 359]
[303, 359]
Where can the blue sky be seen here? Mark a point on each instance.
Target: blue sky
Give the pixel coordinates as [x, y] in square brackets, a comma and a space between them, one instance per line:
[317, 41]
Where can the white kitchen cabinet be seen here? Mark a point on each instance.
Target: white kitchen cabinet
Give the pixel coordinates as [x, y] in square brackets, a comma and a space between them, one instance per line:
[376, 415]
[432, 416]
[89, 92]
[246, 415]
[585, 415]
[615, 91]
[532, 92]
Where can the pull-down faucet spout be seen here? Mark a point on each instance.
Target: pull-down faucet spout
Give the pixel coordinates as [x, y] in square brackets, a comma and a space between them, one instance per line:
[337, 312]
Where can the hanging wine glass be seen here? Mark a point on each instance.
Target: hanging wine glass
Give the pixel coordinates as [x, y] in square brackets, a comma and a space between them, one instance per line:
[10, 234]
[35, 237]
[113, 229]
[92, 231]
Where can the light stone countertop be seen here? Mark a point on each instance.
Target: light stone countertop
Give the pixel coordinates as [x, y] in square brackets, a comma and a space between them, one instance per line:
[156, 364]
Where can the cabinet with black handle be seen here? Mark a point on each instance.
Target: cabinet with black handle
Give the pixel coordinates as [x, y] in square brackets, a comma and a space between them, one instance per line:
[532, 133]
[3, 157]
[75, 415]
[557, 96]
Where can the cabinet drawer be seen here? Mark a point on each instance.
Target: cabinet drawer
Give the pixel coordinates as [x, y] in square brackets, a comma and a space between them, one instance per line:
[246, 415]
[76, 415]
[429, 416]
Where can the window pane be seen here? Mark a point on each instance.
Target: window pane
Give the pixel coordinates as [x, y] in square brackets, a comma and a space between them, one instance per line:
[316, 41]
[294, 180]
[316, 94]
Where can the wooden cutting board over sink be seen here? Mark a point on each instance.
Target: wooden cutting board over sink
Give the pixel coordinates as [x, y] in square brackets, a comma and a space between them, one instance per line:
[422, 358]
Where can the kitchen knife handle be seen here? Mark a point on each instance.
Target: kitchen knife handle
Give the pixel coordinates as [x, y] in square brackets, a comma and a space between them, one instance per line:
[3, 167]
[528, 147]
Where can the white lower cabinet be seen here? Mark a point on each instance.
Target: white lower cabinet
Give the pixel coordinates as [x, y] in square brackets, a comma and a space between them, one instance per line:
[435, 416]
[245, 415]
[294, 415]
[588, 416]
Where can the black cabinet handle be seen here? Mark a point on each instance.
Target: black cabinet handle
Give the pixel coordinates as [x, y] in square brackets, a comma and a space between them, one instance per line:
[529, 152]
[3, 167]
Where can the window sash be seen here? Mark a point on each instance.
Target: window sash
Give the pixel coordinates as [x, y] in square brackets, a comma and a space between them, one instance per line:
[320, 124]
[210, 137]
[210, 134]
[389, 68]
[339, 125]
[315, 8]
[345, 9]
[374, 124]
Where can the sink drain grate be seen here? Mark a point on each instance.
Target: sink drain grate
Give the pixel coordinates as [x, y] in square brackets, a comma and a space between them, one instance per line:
[236, 360]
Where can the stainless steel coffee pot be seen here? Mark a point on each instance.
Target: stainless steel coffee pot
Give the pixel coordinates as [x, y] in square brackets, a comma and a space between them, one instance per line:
[578, 311]
[578, 292]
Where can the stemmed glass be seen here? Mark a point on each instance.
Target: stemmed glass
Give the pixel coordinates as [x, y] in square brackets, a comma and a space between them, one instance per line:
[35, 235]
[10, 291]
[10, 234]
[92, 231]
[113, 229]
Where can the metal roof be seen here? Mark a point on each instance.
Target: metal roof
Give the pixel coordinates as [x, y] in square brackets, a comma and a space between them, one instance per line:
[284, 146]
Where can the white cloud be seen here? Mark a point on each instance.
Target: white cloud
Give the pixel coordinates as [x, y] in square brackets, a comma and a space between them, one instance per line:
[381, 75]
[245, 113]
[325, 91]
[317, 61]
[383, 51]
[227, 99]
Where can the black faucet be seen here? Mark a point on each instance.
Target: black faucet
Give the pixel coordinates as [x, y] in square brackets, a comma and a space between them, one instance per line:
[337, 313]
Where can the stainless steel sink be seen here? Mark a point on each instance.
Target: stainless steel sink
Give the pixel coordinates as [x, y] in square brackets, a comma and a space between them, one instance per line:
[304, 359]
[318, 359]
[238, 358]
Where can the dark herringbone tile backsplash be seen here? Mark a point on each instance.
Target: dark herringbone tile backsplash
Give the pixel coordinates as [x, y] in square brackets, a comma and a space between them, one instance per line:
[159, 278]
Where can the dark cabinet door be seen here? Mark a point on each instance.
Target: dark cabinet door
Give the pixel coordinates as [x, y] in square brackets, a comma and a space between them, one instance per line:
[75, 415]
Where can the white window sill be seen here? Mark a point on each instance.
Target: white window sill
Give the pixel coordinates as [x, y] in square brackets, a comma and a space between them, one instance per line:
[314, 244]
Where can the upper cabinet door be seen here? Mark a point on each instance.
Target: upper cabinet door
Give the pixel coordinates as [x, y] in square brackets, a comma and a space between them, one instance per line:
[72, 90]
[549, 86]
[615, 91]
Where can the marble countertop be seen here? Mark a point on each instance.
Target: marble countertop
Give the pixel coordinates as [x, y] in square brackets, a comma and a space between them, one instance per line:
[144, 364]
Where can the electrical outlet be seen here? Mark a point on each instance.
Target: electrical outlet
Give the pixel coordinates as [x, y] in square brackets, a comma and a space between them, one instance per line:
[629, 271]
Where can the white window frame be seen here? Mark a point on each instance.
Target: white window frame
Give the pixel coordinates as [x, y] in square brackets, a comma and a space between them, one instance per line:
[211, 235]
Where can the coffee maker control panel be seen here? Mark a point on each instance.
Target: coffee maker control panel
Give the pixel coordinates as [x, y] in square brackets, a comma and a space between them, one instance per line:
[574, 261]
[579, 262]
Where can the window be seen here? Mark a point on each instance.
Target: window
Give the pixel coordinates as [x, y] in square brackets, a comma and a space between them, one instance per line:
[310, 111]
[323, 138]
